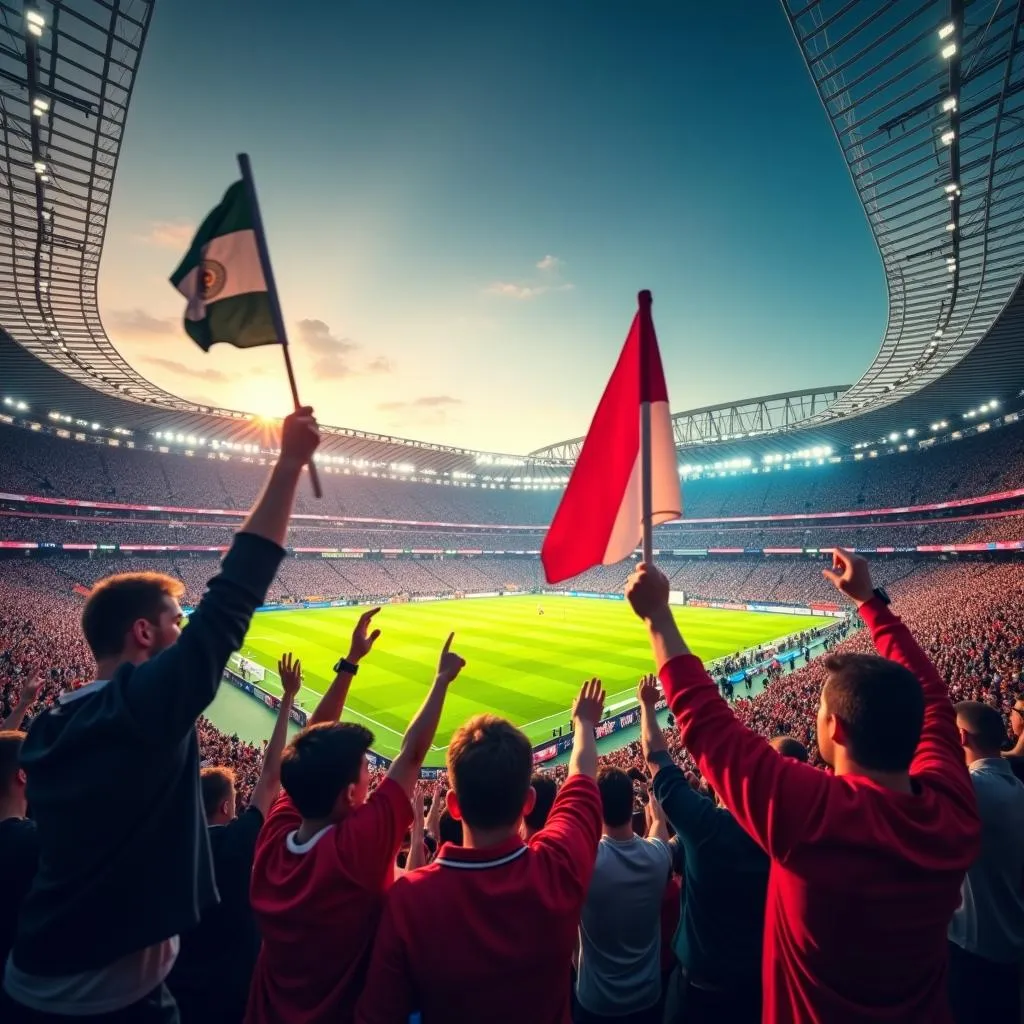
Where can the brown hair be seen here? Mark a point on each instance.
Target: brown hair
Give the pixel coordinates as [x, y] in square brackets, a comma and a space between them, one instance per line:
[983, 723]
[217, 784]
[116, 602]
[489, 763]
[881, 706]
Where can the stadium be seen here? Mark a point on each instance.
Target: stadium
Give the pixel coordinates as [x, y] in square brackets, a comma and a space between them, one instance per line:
[918, 464]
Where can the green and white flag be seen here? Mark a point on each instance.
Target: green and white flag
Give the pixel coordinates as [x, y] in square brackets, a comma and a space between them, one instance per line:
[223, 280]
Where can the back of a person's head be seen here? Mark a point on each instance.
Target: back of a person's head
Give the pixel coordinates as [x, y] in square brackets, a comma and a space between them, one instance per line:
[489, 763]
[321, 762]
[546, 791]
[881, 706]
[986, 732]
[616, 789]
[218, 787]
[449, 829]
[789, 747]
[10, 751]
[115, 603]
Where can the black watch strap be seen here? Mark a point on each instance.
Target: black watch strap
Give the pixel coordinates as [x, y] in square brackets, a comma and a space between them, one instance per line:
[344, 665]
[882, 595]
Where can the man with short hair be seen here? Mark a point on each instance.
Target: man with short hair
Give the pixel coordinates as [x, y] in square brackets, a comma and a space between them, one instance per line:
[618, 970]
[866, 864]
[19, 844]
[113, 778]
[546, 789]
[987, 931]
[211, 977]
[326, 855]
[486, 932]
[790, 747]
[717, 946]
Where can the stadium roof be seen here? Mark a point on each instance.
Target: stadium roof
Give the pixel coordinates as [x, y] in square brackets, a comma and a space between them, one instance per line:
[927, 103]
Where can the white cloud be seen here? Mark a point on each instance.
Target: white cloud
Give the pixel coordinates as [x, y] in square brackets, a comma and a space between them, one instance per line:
[170, 235]
[522, 292]
[549, 263]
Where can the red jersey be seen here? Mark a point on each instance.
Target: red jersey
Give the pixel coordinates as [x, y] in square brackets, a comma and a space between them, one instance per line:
[318, 904]
[863, 880]
[488, 935]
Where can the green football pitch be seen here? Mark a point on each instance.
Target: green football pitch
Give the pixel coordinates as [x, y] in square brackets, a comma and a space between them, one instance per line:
[520, 664]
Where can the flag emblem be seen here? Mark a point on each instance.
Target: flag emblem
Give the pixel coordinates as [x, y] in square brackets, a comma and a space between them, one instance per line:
[213, 277]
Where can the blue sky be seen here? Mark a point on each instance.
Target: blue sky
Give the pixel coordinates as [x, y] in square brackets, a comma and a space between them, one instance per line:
[463, 200]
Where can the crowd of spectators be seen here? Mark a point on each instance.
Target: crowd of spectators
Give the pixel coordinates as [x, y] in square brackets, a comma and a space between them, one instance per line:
[36, 463]
[843, 885]
[52, 528]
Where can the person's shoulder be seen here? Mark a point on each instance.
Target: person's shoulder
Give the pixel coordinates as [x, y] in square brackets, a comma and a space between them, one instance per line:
[283, 818]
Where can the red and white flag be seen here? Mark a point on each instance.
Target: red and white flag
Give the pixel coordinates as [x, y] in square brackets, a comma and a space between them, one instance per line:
[600, 518]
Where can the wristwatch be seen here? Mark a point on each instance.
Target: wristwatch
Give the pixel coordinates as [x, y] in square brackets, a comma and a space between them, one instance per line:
[882, 595]
[344, 665]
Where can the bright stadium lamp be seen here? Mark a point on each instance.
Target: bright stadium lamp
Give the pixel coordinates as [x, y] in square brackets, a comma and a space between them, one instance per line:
[911, 432]
[947, 137]
[949, 103]
[947, 30]
[951, 226]
[949, 50]
[894, 436]
[994, 403]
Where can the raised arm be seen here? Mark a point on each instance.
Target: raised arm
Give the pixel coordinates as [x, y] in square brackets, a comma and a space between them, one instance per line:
[168, 693]
[939, 748]
[772, 798]
[332, 703]
[405, 769]
[270, 515]
[29, 692]
[586, 713]
[268, 786]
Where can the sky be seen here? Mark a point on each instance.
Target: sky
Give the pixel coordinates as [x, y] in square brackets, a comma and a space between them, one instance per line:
[462, 201]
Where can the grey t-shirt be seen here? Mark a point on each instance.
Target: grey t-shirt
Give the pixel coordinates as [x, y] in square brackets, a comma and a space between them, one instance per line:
[620, 929]
[990, 919]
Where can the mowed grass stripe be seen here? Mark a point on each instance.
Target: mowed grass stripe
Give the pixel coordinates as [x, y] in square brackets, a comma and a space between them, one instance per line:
[521, 665]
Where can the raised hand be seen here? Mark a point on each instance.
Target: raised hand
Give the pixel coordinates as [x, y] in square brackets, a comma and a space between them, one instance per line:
[300, 436]
[589, 705]
[850, 575]
[289, 668]
[647, 590]
[362, 638]
[450, 664]
[648, 692]
[31, 689]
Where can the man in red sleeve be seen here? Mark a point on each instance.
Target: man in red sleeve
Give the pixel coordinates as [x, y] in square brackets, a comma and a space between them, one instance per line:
[487, 932]
[866, 864]
[326, 854]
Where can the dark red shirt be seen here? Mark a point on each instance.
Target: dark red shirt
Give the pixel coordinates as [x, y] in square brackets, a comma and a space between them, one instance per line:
[488, 935]
[863, 880]
[318, 904]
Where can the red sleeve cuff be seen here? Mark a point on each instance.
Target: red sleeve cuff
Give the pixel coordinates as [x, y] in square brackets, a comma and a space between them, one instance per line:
[875, 613]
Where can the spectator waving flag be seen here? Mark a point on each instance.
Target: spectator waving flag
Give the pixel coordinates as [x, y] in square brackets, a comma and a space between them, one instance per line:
[607, 508]
[222, 278]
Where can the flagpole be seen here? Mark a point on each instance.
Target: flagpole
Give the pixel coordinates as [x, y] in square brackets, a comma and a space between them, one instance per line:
[644, 312]
[275, 303]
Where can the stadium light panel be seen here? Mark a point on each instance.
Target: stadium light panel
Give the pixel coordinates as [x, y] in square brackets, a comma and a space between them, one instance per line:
[894, 436]
[947, 137]
[21, 407]
[35, 18]
[947, 30]
[949, 103]
[94, 426]
[951, 226]
[911, 432]
[994, 403]
[949, 50]
[39, 106]
[40, 166]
